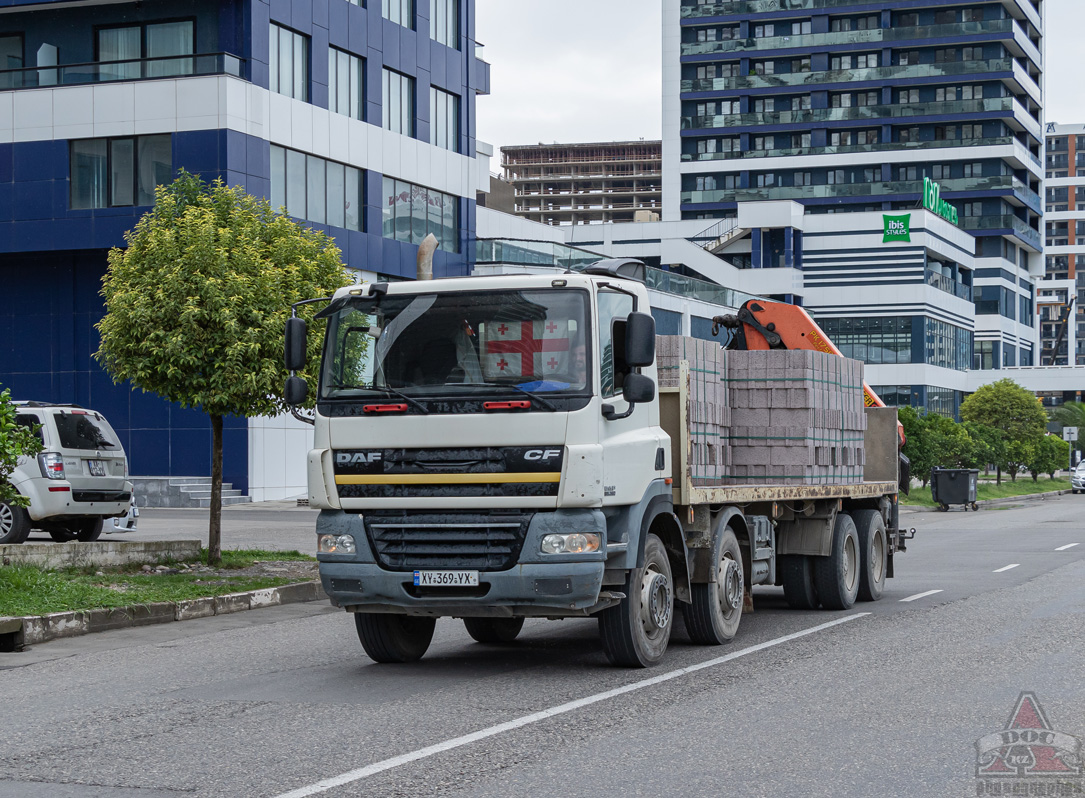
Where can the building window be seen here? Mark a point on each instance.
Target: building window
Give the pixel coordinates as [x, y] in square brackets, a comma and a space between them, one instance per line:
[872, 340]
[325, 192]
[346, 84]
[444, 22]
[157, 41]
[398, 103]
[400, 12]
[444, 119]
[11, 52]
[410, 212]
[120, 172]
[288, 63]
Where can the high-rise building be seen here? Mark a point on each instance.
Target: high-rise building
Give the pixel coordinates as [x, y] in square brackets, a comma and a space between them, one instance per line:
[846, 106]
[1062, 317]
[359, 118]
[585, 183]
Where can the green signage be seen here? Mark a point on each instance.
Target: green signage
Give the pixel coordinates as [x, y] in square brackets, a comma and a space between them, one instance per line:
[932, 201]
[897, 228]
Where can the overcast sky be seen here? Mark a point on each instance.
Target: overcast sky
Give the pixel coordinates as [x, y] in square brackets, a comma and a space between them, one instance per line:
[590, 70]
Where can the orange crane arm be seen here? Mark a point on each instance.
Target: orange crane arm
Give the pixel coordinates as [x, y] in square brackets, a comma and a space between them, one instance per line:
[776, 325]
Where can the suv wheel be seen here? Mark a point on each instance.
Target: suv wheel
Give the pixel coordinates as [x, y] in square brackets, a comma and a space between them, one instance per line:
[14, 523]
[89, 530]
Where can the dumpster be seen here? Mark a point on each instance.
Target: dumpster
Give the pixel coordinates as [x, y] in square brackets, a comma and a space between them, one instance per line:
[954, 486]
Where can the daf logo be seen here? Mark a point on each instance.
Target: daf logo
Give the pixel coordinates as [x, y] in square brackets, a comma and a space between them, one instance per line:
[354, 458]
[541, 454]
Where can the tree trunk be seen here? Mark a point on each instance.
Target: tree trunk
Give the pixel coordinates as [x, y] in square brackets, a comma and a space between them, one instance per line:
[214, 532]
[998, 475]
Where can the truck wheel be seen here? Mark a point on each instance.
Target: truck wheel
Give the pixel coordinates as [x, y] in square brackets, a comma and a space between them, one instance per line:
[494, 630]
[394, 638]
[14, 523]
[797, 576]
[89, 530]
[873, 552]
[713, 615]
[636, 632]
[836, 577]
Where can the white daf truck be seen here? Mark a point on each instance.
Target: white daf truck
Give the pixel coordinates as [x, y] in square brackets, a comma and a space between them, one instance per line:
[495, 449]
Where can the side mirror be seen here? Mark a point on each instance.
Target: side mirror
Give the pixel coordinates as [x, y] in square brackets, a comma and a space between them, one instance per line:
[640, 341]
[638, 388]
[296, 332]
[296, 391]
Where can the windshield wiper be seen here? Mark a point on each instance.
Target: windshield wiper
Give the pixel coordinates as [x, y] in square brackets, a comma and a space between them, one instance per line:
[400, 394]
[545, 403]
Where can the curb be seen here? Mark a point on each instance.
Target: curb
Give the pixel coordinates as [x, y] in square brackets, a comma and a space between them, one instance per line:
[18, 632]
[1025, 497]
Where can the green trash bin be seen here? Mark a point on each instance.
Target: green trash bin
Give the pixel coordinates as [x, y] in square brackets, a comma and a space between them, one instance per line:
[954, 486]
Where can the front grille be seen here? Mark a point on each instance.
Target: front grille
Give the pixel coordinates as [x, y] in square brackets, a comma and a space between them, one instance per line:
[476, 541]
[100, 496]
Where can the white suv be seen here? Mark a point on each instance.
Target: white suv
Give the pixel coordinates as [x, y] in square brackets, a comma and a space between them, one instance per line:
[1077, 478]
[79, 479]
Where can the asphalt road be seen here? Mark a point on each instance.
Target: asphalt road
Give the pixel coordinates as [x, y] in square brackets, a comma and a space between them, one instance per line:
[888, 701]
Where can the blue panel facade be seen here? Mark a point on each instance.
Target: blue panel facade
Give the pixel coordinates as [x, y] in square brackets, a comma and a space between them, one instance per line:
[52, 257]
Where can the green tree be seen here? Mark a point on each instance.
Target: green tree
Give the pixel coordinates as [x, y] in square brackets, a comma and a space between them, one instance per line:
[1016, 414]
[1051, 454]
[15, 441]
[1072, 414]
[197, 303]
[987, 445]
[949, 443]
[917, 445]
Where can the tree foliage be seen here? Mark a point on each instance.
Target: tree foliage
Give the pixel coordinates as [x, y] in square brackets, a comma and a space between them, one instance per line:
[15, 441]
[197, 303]
[1072, 414]
[1051, 454]
[1017, 416]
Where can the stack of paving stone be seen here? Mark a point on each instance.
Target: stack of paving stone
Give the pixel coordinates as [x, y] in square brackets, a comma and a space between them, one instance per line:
[709, 414]
[797, 418]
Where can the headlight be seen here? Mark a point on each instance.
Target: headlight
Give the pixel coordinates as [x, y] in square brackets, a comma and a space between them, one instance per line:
[336, 544]
[51, 465]
[576, 543]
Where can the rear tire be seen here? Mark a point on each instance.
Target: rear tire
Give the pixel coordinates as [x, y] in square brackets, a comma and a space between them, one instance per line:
[874, 553]
[636, 632]
[713, 616]
[836, 577]
[88, 531]
[797, 577]
[14, 523]
[493, 630]
[394, 638]
[61, 535]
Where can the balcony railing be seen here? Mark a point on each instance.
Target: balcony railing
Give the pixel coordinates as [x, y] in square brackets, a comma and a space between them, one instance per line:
[874, 37]
[945, 283]
[851, 148]
[112, 71]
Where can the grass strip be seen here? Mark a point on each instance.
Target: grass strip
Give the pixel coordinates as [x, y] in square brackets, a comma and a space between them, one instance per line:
[921, 497]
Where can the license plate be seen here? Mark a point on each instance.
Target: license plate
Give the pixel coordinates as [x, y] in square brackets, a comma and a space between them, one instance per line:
[446, 578]
[97, 468]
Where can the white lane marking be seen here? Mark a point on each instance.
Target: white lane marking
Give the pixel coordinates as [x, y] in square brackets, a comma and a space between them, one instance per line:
[1067, 546]
[921, 595]
[1005, 568]
[456, 742]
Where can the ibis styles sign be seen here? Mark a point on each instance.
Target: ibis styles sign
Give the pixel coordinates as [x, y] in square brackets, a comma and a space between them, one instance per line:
[932, 201]
[897, 228]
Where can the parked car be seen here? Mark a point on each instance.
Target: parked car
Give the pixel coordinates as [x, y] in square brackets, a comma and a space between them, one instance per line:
[125, 523]
[1077, 478]
[77, 482]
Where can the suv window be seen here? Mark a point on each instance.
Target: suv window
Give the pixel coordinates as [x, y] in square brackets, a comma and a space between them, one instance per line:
[82, 431]
[30, 421]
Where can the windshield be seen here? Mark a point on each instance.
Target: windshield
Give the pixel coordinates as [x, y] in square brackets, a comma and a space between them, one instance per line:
[459, 343]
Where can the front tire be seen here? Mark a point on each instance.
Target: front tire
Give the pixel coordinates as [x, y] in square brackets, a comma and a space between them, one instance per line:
[14, 523]
[836, 577]
[713, 616]
[493, 630]
[874, 553]
[635, 634]
[394, 638]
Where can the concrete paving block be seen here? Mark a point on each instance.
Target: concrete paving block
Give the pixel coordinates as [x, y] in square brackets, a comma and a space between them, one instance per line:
[231, 602]
[194, 608]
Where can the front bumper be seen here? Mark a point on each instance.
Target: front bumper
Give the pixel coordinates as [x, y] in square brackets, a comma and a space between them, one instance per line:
[536, 586]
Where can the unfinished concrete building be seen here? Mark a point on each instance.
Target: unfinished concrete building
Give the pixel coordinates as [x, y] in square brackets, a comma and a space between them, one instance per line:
[617, 181]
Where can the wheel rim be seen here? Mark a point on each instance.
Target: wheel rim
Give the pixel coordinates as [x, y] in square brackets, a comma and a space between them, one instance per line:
[729, 585]
[7, 519]
[851, 558]
[655, 603]
[877, 557]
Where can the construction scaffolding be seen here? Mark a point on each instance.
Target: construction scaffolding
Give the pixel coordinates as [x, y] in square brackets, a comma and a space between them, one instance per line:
[558, 184]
